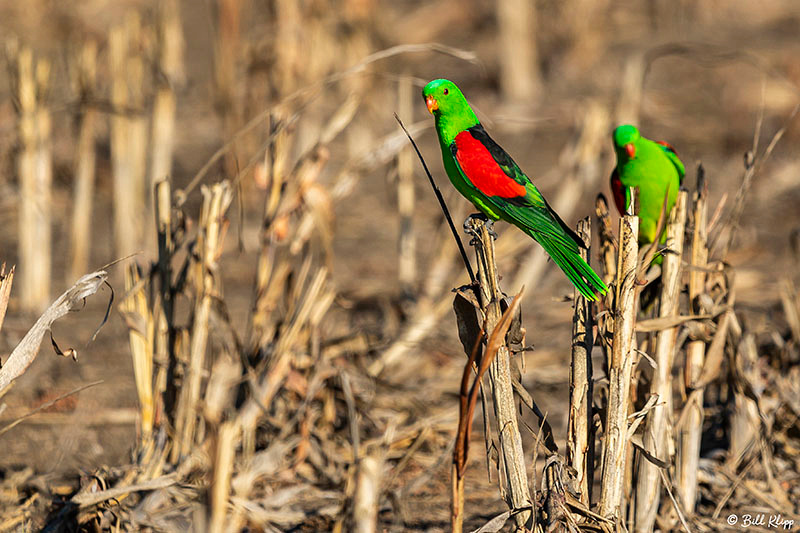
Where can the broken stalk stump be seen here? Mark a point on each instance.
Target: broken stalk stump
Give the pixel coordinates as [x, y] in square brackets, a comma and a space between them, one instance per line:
[608, 243]
[517, 495]
[620, 368]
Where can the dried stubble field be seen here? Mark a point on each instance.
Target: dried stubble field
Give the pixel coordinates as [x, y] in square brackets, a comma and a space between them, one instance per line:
[295, 334]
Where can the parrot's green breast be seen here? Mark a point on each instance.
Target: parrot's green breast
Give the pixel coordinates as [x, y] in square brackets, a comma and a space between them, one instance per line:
[655, 176]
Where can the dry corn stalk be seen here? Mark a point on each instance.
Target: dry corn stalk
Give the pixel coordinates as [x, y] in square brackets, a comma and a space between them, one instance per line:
[137, 128]
[163, 122]
[368, 494]
[216, 200]
[141, 329]
[630, 98]
[746, 427]
[658, 425]
[316, 298]
[227, 70]
[615, 428]
[171, 75]
[291, 295]
[515, 486]
[690, 432]
[34, 168]
[128, 134]
[478, 361]
[85, 167]
[405, 197]
[170, 66]
[225, 452]
[518, 55]
[163, 312]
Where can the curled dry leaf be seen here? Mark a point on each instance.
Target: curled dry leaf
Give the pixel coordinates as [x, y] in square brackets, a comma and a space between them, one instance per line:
[69, 352]
[26, 351]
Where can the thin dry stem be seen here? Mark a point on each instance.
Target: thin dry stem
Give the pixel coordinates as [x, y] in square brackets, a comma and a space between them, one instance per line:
[580, 437]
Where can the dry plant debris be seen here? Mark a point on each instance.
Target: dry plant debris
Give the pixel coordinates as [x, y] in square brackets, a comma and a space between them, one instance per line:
[327, 409]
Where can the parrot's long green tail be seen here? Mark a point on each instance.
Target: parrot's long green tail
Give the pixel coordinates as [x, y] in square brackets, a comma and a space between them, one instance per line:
[579, 273]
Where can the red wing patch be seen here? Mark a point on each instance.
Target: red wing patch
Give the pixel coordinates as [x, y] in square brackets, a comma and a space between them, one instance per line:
[618, 192]
[668, 146]
[482, 170]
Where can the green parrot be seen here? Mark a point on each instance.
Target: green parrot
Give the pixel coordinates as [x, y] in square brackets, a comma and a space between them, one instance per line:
[651, 166]
[487, 176]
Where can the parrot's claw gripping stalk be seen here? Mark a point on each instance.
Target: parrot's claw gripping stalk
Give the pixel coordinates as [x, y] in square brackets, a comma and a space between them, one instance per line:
[490, 228]
[469, 226]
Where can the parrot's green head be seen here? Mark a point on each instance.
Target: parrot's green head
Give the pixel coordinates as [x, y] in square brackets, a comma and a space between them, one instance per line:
[625, 139]
[448, 106]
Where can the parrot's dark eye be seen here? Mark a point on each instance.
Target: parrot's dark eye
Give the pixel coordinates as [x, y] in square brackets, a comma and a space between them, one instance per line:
[446, 92]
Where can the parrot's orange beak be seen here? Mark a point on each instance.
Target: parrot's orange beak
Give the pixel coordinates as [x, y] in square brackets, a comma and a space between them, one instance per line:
[631, 149]
[432, 104]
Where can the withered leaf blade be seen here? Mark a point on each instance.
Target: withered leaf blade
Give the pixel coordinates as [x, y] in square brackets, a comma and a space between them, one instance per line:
[495, 524]
[69, 352]
[25, 352]
[108, 310]
[467, 320]
[658, 324]
[516, 334]
[637, 441]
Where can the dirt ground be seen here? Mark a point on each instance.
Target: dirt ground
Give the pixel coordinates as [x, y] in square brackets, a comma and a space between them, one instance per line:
[722, 65]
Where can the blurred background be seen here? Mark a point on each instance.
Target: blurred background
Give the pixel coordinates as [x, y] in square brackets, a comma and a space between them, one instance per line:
[101, 99]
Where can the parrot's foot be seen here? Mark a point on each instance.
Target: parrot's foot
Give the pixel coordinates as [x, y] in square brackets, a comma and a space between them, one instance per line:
[470, 229]
[490, 228]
